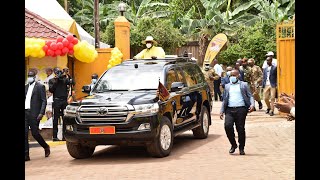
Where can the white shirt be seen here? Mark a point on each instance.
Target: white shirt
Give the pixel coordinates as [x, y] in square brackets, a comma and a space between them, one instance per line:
[28, 96]
[235, 96]
[268, 69]
[46, 81]
[218, 69]
[274, 62]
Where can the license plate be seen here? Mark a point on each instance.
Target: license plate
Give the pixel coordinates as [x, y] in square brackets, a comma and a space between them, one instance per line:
[102, 130]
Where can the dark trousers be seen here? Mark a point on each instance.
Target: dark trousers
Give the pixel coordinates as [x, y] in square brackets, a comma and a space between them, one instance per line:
[216, 88]
[32, 121]
[58, 107]
[236, 116]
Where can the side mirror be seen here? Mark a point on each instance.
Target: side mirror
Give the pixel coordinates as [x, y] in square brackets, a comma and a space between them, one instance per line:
[177, 86]
[86, 89]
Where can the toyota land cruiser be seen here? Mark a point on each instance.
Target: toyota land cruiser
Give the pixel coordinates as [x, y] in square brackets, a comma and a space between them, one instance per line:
[124, 108]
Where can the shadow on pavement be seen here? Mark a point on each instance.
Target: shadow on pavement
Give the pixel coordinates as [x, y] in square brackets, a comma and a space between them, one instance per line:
[183, 144]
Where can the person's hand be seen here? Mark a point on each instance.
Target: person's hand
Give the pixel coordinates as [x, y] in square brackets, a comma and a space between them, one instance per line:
[286, 95]
[284, 106]
[221, 116]
[153, 57]
[250, 109]
[39, 117]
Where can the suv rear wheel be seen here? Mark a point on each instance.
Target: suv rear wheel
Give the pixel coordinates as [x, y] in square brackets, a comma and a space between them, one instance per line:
[162, 144]
[202, 131]
[79, 151]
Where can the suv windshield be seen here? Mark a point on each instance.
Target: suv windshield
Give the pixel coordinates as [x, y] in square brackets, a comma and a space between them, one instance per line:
[127, 77]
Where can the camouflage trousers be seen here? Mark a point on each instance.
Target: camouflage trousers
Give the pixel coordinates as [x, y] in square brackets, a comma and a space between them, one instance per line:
[255, 93]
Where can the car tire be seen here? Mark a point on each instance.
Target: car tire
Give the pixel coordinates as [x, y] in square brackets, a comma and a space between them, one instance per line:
[79, 151]
[162, 144]
[202, 131]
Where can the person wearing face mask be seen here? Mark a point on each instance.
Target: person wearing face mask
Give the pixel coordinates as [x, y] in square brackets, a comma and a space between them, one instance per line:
[269, 85]
[237, 103]
[94, 79]
[256, 81]
[209, 75]
[35, 105]
[151, 52]
[225, 80]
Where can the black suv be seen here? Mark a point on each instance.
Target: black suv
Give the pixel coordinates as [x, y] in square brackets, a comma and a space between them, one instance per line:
[124, 107]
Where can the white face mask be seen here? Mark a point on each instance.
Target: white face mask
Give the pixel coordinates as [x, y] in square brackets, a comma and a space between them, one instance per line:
[30, 80]
[148, 45]
[93, 81]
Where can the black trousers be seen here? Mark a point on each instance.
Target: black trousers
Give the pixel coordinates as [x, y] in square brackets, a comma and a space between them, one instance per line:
[58, 106]
[32, 121]
[216, 89]
[236, 116]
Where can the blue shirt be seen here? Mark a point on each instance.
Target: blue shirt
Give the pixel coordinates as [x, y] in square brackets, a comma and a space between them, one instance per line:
[235, 96]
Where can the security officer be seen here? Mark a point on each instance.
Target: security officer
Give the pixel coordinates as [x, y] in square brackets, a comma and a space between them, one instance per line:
[209, 75]
[247, 72]
[58, 86]
[256, 81]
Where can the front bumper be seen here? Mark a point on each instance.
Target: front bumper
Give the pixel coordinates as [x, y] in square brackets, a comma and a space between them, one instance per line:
[125, 132]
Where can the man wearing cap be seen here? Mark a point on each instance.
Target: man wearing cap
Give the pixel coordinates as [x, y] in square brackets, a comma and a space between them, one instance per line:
[151, 52]
[209, 75]
[274, 61]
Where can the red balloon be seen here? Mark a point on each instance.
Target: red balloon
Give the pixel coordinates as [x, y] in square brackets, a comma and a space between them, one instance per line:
[53, 46]
[70, 37]
[65, 50]
[50, 52]
[48, 43]
[75, 41]
[70, 46]
[65, 42]
[59, 39]
[63, 54]
[45, 48]
[57, 52]
[60, 45]
[54, 55]
[70, 52]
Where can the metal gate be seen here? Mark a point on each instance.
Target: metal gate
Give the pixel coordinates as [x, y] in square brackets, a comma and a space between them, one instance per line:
[285, 33]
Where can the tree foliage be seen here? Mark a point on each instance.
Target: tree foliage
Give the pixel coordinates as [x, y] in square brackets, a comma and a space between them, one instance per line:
[254, 42]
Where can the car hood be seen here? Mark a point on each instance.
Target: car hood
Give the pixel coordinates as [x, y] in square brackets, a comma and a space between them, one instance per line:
[121, 97]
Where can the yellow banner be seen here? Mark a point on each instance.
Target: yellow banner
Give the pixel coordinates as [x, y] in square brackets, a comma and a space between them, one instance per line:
[214, 47]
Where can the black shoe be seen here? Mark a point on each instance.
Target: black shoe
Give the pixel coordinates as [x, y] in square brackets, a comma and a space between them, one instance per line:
[26, 158]
[242, 152]
[271, 113]
[232, 149]
[267, 111]
[260, 105]
[55, 139]
[47, 151]
[254, 109]
[63, 139]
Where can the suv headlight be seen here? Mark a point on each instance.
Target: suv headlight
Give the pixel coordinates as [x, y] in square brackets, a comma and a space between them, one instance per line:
[146, 108]
[71, 109]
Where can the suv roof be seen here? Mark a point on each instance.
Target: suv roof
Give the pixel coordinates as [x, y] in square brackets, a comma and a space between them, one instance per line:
[162, 61]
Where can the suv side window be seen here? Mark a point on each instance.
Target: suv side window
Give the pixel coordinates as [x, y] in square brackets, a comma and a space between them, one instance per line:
[170, 78]
[189, 72]
[198, 75]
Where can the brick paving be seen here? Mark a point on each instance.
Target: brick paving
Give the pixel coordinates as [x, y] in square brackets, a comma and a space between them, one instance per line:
[270, 154]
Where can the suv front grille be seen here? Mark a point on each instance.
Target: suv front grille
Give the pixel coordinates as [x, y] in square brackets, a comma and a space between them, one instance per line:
[102, 114]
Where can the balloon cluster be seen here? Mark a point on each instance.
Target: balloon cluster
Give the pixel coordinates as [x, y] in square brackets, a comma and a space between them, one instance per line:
[33, 47]
[61, 46]
[85, 52]
[116, 57]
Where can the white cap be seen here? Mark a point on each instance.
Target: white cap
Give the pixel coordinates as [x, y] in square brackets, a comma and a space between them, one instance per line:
[270, 53]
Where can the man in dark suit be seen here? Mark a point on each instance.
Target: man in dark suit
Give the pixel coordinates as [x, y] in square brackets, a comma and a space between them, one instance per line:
[237, 102]
[35, 105]
[269, 84]
[225, 80]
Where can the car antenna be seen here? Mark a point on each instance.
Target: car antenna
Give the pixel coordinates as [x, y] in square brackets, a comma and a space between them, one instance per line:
[136, 66]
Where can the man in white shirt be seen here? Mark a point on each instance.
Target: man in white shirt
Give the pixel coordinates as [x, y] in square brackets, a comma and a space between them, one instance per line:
[274, 61]
[216, 82]
[50, 75]
[35, 104]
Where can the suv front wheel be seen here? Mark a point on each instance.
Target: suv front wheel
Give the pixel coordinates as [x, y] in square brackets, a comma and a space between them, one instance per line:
[202, 131]
[79, 151]
[162, 144]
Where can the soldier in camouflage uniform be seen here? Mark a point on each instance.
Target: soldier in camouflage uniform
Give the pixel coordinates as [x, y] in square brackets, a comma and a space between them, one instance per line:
[257, 77]
[247, 72]
[209, 75]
